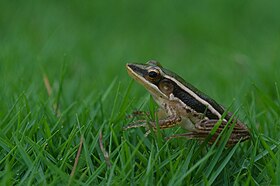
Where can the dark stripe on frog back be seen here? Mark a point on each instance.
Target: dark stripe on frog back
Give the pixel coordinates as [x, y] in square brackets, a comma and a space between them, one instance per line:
[192, 102]
[200, 94]
[195, 90]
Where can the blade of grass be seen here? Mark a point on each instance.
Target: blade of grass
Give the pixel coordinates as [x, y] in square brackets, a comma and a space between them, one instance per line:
[196, 165]
[217, 171]
[268, 101]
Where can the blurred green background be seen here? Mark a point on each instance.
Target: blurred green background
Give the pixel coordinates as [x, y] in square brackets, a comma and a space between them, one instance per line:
[210, 43]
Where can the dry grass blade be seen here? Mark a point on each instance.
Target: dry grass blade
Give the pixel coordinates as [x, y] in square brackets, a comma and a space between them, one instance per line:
[77, 157]
[105, 153]
[49, 91]
[47, 84]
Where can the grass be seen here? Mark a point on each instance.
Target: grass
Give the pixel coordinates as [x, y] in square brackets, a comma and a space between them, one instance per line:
[64, 88]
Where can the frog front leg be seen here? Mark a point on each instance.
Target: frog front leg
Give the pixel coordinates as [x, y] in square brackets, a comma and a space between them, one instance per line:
[168, 122]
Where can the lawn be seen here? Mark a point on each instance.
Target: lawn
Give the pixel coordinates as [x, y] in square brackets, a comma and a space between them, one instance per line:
[65, 95]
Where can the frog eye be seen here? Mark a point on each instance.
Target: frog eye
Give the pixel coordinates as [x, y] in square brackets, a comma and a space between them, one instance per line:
[153, 73]
[166, 86]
